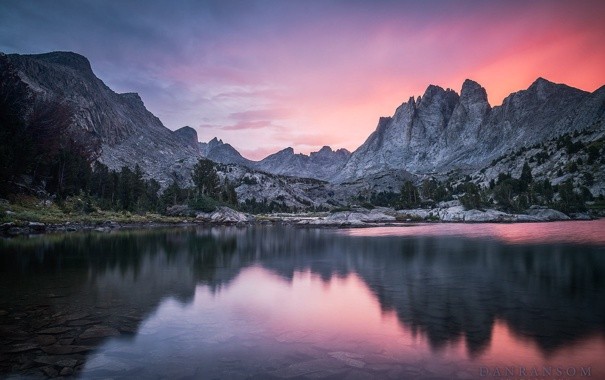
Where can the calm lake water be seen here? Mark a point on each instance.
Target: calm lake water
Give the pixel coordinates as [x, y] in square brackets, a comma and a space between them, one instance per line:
[469, 301]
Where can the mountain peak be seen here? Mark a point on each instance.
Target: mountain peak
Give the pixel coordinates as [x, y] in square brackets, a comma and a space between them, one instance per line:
[187, 134]
[542, 84]
[215, 142]
[435, 93]
[133, 98]
[543, 88]
[325, 151]
[470, 85]
[431, 90]
[323, 164]
[69, 59]
[472, 92]
[541, 80]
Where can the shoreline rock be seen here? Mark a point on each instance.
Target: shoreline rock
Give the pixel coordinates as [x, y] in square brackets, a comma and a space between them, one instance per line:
[448, 212]
[224, 215]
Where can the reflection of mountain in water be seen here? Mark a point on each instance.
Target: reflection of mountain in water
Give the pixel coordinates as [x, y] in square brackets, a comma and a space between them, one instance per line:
[449, 287]
[443, 287]
[63, 295]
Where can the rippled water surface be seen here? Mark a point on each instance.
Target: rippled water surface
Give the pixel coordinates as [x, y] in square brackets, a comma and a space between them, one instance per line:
[467, 301]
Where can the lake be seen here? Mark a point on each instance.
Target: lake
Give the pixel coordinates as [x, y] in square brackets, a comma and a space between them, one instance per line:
[435, 301]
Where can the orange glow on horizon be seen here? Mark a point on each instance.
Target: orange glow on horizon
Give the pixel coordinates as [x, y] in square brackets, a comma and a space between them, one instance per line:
[302, 74]
[339, 103]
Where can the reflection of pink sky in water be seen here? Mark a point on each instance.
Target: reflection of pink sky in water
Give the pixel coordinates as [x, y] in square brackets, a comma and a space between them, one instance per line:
[508, 349]
[337, 307]
[342, 315]
[582, 232]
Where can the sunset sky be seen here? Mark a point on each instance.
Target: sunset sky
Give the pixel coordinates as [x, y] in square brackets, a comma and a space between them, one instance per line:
[265, 75]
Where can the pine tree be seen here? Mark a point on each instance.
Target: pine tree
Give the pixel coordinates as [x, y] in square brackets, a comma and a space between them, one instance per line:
[472, 196]
[205, 178]
[526, 178]
[409, 195]
[172, 195]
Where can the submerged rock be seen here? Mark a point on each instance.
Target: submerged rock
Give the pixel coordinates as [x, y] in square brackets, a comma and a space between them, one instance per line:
[99, 331]
[75, 316]
[67, 362]
[50, 371]
[55, 330]
[65, 350]
[46, 340]
[20, 347]
[66, 371]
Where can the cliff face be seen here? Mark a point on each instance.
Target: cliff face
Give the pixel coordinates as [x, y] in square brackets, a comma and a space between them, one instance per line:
[442, 130]
[127, 132]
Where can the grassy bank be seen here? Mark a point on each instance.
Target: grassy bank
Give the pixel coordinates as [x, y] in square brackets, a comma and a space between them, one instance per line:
[24, 209]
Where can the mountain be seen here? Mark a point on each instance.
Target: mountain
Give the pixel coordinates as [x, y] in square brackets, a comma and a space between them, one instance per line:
[323, 164]
[438, 132]
[188, 136]
[218, 151]
[442, 131]
[127, 134]
[557, 129]
[126, 131]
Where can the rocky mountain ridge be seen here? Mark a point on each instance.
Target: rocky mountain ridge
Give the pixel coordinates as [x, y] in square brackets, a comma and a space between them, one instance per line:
[126, 131]
[442, 130]
[218, 151]
[441, 133]
[322, 165]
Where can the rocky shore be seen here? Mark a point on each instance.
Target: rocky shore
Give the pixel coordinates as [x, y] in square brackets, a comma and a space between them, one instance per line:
[39, 342]
[447, 212]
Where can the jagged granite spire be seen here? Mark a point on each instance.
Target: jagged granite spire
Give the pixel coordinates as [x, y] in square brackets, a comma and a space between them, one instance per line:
[442, 130]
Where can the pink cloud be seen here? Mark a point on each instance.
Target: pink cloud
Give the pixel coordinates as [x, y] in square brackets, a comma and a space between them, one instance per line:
[248, 124]
[271, 114]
